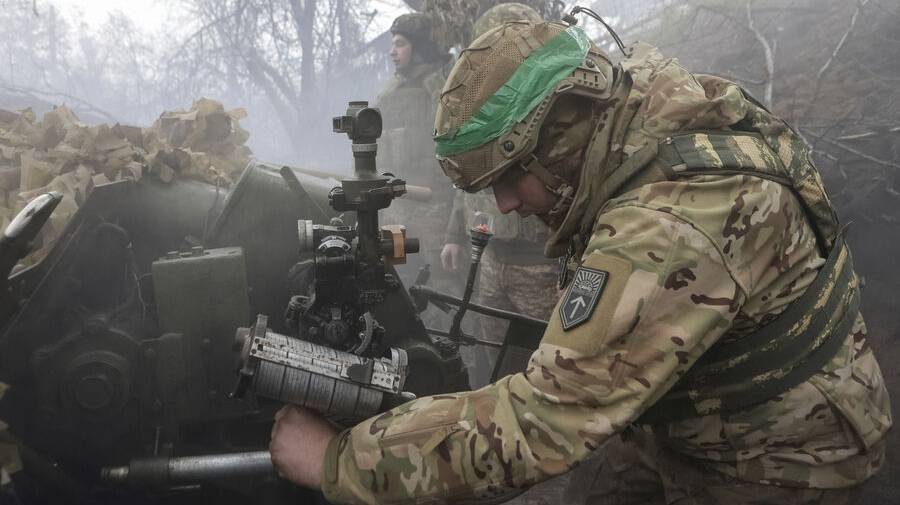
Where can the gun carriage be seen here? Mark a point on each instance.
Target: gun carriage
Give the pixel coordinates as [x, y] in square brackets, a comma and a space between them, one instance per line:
[133, 366]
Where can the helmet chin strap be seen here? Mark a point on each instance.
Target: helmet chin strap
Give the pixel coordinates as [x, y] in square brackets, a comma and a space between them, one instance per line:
[554, 184]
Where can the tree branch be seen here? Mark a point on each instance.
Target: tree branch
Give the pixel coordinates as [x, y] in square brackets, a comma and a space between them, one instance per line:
[865, 135]
[45, 95]
[769, 53]
[843, 40]
[859, 153]
[304, 20]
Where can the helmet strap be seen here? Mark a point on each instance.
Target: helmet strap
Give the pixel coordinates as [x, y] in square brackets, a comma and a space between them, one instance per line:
[554, 183]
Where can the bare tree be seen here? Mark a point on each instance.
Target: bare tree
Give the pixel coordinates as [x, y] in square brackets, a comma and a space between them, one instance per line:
[288, 51]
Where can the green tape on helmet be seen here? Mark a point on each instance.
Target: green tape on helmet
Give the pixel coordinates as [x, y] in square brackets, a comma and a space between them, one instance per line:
[535, 78]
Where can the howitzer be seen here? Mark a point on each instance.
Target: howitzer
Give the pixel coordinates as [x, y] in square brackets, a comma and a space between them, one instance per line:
[119, 345]
[334, 361]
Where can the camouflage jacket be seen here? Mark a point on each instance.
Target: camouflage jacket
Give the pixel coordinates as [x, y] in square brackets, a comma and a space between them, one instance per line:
[690, 262]
[406, 147]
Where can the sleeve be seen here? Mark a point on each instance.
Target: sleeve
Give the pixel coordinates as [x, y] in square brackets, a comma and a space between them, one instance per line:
[666, 298]
[456, 226]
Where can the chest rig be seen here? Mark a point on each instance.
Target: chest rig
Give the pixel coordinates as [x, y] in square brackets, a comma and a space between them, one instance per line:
[739, 372]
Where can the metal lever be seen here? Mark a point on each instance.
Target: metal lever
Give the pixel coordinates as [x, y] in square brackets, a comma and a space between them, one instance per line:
[479, 235]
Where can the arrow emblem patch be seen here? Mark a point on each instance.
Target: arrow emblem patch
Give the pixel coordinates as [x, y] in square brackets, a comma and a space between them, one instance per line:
[582, 297]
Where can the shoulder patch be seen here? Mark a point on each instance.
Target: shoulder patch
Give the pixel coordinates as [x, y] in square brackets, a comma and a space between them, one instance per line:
[582, 297]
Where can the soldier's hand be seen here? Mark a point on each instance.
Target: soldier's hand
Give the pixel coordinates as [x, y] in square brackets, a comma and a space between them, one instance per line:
[451, 257]
[300, 438]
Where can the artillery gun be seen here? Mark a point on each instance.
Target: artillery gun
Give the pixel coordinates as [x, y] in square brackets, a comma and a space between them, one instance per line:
[122, 345]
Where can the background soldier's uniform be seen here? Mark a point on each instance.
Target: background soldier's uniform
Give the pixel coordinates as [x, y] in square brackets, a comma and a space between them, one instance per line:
[691, 261]
[406, 149]
[514, 273]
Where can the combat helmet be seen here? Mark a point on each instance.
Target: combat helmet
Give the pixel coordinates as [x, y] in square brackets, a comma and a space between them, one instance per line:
[499, 93]
[505, 13]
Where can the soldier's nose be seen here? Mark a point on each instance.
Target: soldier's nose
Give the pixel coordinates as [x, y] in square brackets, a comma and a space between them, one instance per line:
[507, 201]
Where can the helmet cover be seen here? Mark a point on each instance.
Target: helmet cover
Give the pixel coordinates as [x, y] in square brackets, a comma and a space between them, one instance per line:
[500, 90]
[505, 13]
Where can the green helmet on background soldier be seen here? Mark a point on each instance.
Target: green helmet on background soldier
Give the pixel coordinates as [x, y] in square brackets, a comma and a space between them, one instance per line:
[500, 92]
[505, 13]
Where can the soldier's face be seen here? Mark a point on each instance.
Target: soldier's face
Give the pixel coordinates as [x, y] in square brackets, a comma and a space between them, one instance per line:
[401, 51]
[517, 190]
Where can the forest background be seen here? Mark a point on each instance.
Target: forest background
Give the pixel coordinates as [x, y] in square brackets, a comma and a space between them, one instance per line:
[830, 67]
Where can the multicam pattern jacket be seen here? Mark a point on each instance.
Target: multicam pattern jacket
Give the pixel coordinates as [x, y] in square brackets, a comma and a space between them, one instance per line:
[690, 261]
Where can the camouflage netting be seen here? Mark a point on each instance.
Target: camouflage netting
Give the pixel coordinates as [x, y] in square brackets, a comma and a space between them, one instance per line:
[59, 153]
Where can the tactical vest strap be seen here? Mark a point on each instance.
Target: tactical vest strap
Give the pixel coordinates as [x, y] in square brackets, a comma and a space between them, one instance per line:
[554, 183]
[717, 153]
[784, 352]
[777, 357]
[734, 153]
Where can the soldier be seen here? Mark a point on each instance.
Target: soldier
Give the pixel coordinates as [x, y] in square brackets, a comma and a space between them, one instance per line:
[515, 275]
[408, 103]
[710, 332]
[406, 147]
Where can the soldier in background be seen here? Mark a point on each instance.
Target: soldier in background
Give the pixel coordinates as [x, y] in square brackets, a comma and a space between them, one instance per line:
[407, 104]
[406, 146]
[515, 275]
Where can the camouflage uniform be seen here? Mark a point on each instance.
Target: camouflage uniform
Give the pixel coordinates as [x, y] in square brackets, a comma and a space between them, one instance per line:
[635, 470]
[406, 147]
[693, 262]
[514, 274]
[504, 13]
[528, 289]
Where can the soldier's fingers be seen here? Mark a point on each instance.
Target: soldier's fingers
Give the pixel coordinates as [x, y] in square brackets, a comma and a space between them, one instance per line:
[283, 411]
[448, 259]
[275, 454]
[275, 427]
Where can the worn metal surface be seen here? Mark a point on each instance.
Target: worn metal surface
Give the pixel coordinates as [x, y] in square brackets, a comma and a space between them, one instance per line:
[163, 471]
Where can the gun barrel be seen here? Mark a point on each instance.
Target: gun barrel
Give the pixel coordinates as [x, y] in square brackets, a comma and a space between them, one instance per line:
[167, 471]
